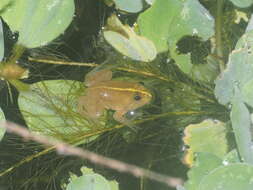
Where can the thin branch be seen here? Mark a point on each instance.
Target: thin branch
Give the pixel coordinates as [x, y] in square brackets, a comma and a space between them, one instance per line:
[58, 62]
[65, 149]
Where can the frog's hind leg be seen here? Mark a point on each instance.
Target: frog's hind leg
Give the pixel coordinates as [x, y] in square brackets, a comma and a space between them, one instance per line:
[95, 77]
[90, 108]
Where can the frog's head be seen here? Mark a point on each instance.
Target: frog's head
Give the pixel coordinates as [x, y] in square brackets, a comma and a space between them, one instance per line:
[140, 97]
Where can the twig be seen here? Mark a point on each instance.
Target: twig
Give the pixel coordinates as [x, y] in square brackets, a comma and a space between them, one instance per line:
[65, 149]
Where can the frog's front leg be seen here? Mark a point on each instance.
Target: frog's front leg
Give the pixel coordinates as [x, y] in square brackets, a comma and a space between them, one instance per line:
[119, 116]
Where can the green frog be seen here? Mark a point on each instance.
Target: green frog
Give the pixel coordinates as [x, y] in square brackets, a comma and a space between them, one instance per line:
[104, 93]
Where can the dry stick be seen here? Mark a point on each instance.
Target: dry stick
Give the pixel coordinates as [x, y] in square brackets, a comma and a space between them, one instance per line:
[63, 148]
[57, 62]
[92, 64]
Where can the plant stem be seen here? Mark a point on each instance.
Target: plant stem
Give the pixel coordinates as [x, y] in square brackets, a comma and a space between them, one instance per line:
[218, 33]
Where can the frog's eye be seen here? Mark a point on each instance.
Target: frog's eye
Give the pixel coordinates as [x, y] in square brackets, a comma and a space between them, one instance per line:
[137, 97]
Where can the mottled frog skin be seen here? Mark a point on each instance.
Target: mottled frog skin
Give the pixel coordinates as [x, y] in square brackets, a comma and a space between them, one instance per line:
[104, 93]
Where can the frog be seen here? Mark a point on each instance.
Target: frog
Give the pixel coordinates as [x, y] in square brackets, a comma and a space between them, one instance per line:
[103, 93]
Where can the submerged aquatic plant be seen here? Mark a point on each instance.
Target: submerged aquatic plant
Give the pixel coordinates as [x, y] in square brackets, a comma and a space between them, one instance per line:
[159, 50]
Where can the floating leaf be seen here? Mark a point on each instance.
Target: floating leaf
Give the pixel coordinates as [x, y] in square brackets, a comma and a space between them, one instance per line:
[126, 41]
[90, 180]
[242, 3]
[203, 165]
[150, 2]
[131, 6]
[247, 92]
[243, 16]
[206, 72]
[241, 123]
[231, 177]
[10, 39]
[180, 187]
[231, 157]
[234, 87]
[50, 108]
[207, 136]
[238, 73]
[169, 20]
[2, 119]
[38, 22]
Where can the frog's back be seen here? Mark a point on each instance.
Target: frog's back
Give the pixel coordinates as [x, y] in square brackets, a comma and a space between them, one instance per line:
[120, 87]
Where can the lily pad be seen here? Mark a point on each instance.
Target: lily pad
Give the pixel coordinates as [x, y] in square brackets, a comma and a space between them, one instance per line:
[238, 73]
[150, 2]
[247, 92]
[234, 87]
[126, 41]
[208, 136]
[206, 72]
[230, 177]
[131, 6]
[241, 124]
[90, 180]
[203, 165]
[242, 3]
[38, 22]
[167, 21]
[50, 108]
[231, 157]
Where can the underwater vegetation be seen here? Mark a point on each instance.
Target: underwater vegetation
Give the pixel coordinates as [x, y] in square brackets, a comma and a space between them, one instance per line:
[163, 85]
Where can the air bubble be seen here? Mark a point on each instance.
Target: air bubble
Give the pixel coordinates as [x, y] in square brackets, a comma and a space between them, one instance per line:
[225, 162]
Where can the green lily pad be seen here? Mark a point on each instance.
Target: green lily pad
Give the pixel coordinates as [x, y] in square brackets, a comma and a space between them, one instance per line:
[241, 124]
[208, 136]
[50, 108]
[131, 6]
[2, 119]
[167, 21]
[247, 92]
[126, 41]
[207, 72]
[38, 22]
[234, 86]
[231, 157]
[231, 177]
[150, 2]
[238, 73]
[90, 180]
[203, 165]
[242, 3]
[180, 187]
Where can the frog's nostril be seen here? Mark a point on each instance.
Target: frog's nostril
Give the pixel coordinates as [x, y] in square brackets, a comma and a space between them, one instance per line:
[137, 97]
